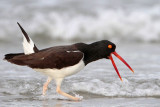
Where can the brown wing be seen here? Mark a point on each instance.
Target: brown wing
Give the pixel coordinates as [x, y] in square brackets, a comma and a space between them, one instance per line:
[50, 58]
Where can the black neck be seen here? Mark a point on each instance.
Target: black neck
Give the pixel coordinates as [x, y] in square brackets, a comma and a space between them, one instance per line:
[91, 52]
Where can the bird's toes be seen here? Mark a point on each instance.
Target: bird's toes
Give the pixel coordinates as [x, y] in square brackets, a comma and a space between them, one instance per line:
[76, 99]
[44, 92]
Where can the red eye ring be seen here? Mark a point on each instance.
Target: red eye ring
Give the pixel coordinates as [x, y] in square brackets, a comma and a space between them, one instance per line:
[109, 46]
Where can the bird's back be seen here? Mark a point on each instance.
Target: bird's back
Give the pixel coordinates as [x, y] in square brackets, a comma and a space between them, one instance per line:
[54, 57]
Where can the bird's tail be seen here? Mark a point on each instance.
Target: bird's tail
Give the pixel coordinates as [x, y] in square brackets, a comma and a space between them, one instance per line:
[12, 55]
[28, 45]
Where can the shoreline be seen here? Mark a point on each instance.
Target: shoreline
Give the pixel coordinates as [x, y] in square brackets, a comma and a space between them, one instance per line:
[95, 102]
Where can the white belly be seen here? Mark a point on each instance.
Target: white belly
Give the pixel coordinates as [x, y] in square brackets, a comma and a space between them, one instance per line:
[61, 73]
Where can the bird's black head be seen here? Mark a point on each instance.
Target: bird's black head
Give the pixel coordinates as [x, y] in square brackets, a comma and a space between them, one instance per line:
[103, 48]
[99, 50]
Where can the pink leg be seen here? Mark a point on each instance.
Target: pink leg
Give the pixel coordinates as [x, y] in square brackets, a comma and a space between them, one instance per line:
[66, 95]
[45, 86]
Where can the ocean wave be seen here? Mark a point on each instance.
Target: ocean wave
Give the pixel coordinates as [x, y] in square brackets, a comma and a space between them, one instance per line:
[119, 24]
[90, 89]
[126, 88]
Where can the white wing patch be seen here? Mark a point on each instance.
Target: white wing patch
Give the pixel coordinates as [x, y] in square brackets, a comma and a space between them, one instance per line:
[28, 46]
[73, 51]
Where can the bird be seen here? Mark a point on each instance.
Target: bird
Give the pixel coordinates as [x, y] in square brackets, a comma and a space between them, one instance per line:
[59, 62]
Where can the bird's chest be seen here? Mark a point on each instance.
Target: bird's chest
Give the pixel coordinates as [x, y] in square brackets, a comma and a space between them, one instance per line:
[61, 73]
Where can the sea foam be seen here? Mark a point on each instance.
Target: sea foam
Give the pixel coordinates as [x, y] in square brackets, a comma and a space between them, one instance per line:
[120, 89]
[59, 22]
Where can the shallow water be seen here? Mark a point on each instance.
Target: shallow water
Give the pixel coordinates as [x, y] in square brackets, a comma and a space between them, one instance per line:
[97, 83]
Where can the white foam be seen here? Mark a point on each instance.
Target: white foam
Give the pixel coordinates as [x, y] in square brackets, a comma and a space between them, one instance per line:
[100, 23]
[119, 89]
[78, 96]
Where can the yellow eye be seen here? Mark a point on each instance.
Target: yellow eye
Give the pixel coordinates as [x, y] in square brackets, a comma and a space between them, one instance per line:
[109, 46]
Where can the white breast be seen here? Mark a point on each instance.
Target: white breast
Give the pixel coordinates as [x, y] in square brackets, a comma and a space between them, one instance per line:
[61, 73]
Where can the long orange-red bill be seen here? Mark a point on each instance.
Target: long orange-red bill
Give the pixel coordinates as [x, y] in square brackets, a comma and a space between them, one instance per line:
[118, 56]
[115, 67]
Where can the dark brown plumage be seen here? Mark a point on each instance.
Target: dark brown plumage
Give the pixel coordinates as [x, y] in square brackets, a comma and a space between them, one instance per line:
[55, 57]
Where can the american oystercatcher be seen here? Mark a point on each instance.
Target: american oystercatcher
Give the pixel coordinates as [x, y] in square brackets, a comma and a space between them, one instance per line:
[62, 61]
